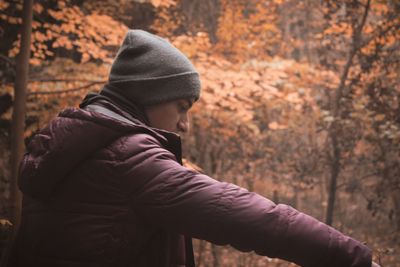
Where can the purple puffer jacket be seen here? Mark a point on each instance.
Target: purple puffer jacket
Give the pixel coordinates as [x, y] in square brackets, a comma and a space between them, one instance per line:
[100, 190]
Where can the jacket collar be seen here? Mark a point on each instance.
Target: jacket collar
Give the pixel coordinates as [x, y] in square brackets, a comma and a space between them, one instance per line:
[173, 140]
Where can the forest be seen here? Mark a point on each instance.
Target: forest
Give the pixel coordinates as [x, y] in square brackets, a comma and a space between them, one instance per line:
[300, 100]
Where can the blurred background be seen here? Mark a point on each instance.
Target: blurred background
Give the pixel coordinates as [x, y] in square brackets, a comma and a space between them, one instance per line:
[300, 100]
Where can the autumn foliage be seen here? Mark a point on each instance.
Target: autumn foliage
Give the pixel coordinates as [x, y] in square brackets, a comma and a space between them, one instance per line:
[300, 99]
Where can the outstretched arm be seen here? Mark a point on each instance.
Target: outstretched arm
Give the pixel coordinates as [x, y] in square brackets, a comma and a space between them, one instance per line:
[196, 205]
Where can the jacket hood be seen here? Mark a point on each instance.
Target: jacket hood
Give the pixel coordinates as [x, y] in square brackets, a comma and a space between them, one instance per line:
[70, 139]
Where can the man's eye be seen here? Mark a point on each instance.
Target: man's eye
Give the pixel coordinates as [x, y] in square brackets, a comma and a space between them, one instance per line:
[183, 108]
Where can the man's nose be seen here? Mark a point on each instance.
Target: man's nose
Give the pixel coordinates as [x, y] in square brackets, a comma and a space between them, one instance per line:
[184, 124]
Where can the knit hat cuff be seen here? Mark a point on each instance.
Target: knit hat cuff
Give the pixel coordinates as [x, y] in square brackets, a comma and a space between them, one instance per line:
[159, 89]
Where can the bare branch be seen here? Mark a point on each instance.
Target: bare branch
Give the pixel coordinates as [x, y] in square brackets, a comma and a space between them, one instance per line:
[379, 34]
[363, 20]
[374, 174]
[66, 90]
[8, 60]
[355, 47]
[53, 80]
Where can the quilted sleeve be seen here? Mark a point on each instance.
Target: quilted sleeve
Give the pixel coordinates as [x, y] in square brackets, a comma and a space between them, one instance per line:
[171, 196]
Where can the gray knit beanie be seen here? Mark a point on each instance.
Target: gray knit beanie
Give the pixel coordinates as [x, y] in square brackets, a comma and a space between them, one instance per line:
[149, 70]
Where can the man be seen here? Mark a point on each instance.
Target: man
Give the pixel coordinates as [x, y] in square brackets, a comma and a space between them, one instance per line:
[104, 186]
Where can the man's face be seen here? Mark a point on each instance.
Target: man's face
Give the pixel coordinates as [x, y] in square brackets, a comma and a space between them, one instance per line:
[170, 116]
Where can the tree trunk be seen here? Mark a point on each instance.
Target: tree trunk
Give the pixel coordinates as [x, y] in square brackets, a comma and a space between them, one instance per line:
[333, 130]
[18, 121]
[335, 169]
[19, 108]
[396, 203]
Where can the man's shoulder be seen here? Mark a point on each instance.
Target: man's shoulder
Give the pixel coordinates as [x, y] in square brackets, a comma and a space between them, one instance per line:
[132, 137]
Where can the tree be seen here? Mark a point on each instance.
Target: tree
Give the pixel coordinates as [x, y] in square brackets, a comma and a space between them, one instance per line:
[335, 155]
[359, 36]
[18, 118]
